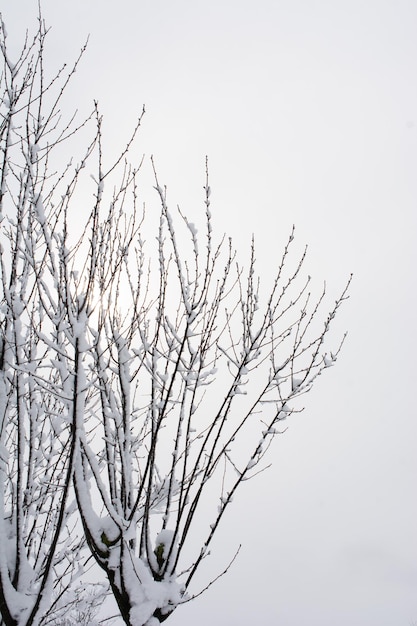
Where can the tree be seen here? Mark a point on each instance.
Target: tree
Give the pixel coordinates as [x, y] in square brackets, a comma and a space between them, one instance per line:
[41, 548]
[142, 381]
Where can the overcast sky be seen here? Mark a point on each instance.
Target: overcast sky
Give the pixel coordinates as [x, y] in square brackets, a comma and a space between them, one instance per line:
[307, 110]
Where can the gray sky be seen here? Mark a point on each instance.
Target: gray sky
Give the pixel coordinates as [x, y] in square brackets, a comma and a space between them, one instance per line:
[308, 112]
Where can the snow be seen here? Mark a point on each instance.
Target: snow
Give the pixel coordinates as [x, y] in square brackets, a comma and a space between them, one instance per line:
[99, 527]
[18, 602]
[79, 327]
[146, 594]
[165, 538]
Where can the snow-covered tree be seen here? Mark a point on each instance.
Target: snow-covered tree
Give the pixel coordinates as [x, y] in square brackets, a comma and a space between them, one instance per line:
[40, 545]
[141, 382]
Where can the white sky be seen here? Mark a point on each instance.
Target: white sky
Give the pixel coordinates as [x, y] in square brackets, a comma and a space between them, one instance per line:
[308, 112]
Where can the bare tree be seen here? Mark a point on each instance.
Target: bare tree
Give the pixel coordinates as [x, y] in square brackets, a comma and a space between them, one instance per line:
[147, 379]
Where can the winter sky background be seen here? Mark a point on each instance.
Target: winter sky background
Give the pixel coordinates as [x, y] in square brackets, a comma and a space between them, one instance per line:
[307, 110]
